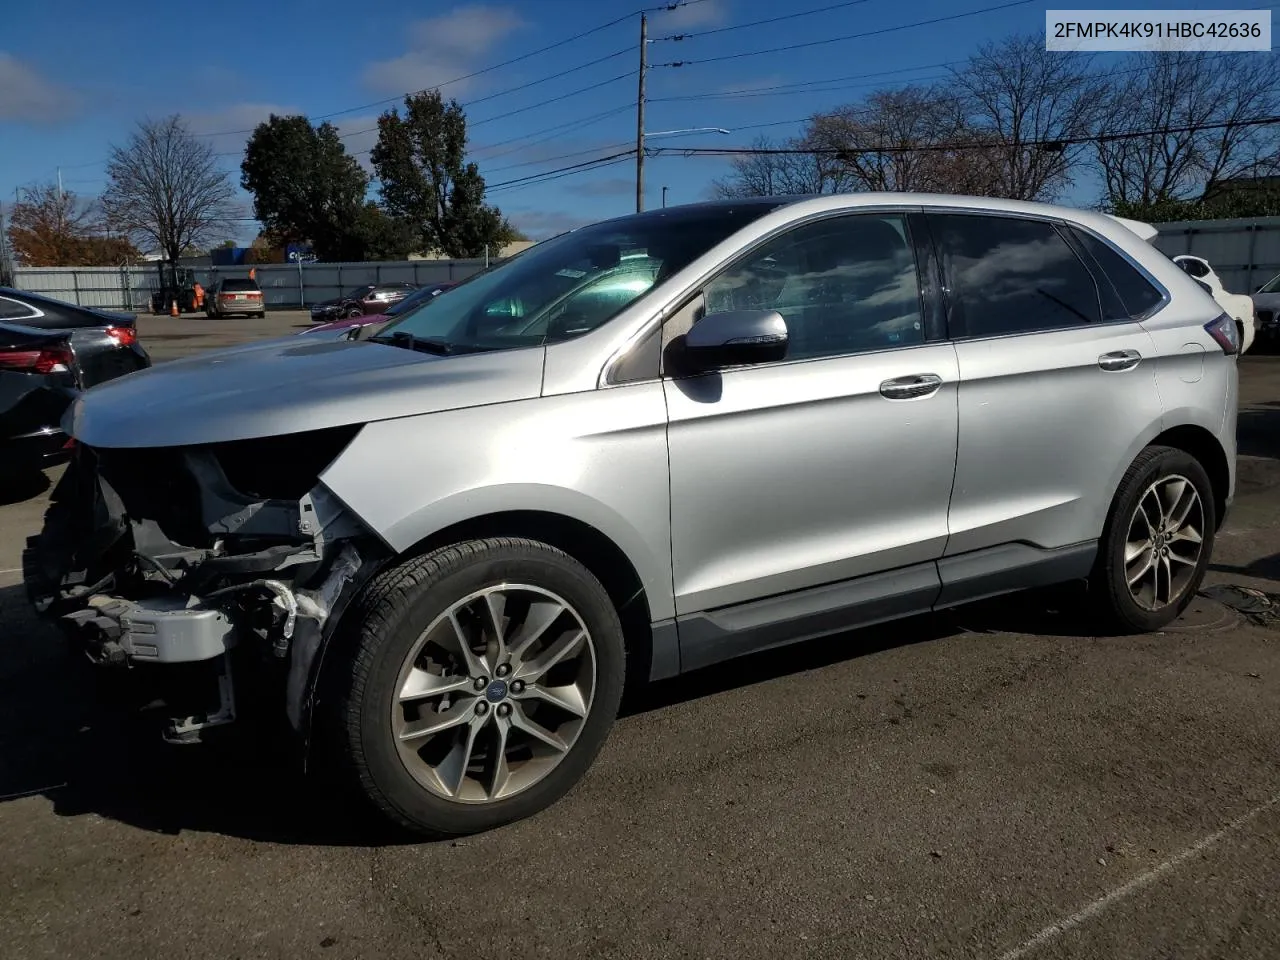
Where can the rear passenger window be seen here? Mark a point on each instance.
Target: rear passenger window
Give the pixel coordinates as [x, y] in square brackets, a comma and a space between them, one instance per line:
[843, 285]
[1007, 275]
[1137, 293]
[13, 309]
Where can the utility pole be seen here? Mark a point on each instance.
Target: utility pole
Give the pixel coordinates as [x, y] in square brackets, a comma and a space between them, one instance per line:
[59, 184]
[664, 198]
[644, 66]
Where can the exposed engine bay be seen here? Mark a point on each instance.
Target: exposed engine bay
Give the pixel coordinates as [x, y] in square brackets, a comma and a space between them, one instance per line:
[199, 563]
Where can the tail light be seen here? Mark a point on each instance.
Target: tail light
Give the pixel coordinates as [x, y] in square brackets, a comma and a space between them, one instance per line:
[124, 336]
[49, 360]
[1224, 332]
[254, 296]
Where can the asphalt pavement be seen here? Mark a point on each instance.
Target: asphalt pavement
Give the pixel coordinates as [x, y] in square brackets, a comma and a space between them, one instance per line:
[989, 783]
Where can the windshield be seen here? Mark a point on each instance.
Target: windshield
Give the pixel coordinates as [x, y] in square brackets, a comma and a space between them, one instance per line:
[414, 300]
[357, 293]
[1272, 285]
[575, 283]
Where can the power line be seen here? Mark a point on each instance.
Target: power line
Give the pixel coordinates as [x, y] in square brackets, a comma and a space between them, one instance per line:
[543, 103]
[851, 36]
[979, 145]
[757, 23]
[560, 156]
[800, 84]
[559, 171]
[554, 131]
[665, 8]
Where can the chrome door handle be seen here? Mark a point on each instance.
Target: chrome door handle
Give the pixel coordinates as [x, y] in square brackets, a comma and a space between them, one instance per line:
[911, 388]
[1120, 360]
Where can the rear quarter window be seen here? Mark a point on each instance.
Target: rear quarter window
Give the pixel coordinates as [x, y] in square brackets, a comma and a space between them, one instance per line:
[1138, 294]
[14, 309]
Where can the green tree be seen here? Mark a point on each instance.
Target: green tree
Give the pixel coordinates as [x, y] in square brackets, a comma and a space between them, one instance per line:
[420, 160]
[305, 186]
[381, 236]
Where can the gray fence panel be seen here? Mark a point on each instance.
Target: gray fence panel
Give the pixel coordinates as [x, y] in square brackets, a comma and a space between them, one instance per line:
[283, 285]
[1245, 253]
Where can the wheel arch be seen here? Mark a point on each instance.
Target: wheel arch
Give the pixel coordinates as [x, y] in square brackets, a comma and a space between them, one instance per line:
[582, 541]
[1200, 443]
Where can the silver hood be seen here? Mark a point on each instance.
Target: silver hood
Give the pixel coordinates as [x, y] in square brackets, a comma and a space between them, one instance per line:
[291, 385]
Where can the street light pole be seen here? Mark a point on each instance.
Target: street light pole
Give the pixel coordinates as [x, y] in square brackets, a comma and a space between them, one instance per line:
[644, 67]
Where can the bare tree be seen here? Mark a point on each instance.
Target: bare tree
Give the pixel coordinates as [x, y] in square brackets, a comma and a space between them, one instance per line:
[779, 169]
[165, 189]
[52, 227]
[911, 138]
[1198, 108]
[1029, 105]
[47, 226]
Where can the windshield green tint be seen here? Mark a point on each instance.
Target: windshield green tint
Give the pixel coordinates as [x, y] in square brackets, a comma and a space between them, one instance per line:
[1272, 285]
[574, 283]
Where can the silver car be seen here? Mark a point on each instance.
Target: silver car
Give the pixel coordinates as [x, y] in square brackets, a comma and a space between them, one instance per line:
[643, 448]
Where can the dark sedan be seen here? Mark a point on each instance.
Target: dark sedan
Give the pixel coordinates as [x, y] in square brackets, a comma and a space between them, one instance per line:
[368, 298]
[354, 328]
[49, 352]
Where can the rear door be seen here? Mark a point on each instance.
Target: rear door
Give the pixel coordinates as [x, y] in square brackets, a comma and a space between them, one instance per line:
[1054, 390]
[833, 463]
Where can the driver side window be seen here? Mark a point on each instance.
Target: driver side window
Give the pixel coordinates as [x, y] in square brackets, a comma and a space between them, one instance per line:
[843, 285]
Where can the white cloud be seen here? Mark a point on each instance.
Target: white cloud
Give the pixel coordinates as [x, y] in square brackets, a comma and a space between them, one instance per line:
[540, 224]
[229, 128]
[702, 13]
[610, 187]
[26, 96]
[441, 49]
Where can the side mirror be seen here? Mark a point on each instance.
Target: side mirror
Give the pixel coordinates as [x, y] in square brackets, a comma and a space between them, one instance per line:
[735, 338]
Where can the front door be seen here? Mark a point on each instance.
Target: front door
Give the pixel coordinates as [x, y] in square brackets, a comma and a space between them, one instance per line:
[836, 461]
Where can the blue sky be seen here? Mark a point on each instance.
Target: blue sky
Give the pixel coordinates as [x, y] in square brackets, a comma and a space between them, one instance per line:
[76, 75]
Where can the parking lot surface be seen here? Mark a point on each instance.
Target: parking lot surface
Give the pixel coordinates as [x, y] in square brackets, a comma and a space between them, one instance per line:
[993, 782]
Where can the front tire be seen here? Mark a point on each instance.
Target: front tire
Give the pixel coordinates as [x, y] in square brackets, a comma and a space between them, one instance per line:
[1157, 542]
[478, 685]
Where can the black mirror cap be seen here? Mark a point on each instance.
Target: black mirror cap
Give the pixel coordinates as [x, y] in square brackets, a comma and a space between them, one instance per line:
[736, 338]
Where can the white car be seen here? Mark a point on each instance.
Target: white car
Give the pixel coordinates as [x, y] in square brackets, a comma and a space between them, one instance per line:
[1237, 305]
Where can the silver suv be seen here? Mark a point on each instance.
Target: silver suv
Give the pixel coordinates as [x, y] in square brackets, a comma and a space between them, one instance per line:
[642, 448]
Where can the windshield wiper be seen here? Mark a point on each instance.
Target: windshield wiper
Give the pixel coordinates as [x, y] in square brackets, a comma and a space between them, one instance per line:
[433, 345]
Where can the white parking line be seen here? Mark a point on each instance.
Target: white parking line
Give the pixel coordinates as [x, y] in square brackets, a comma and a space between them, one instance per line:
[13, 570]
[1137, 883]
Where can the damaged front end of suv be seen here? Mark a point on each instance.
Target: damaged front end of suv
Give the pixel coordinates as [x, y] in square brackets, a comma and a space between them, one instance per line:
[193, 558]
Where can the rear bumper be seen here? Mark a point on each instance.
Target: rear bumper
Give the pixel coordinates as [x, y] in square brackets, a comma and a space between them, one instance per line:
[239, 306]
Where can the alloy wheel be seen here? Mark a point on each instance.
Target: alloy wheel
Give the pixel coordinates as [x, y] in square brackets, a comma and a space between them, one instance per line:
[1164, 542]
[494, 693]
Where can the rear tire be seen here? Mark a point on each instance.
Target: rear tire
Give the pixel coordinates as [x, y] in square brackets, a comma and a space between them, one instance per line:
[1157, 543]
[494, 747]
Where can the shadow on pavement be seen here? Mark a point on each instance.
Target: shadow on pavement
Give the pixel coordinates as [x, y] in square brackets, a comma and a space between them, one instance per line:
[66, 734]
[17, 488]
[1264, 568]
[1258, 431]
